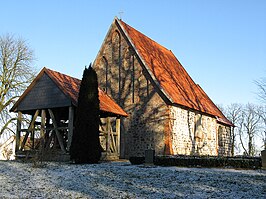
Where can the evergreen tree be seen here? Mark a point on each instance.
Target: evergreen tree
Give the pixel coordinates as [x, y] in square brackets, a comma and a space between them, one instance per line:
[85, 146]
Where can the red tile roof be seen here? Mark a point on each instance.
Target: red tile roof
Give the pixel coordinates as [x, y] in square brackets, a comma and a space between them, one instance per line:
[170, 75]
[70, 87]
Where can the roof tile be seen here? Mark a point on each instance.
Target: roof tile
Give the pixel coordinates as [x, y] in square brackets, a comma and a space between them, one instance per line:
[171, 75]
[70, 86]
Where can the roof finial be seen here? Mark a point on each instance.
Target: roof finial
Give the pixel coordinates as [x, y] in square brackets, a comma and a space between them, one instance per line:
[120, 14]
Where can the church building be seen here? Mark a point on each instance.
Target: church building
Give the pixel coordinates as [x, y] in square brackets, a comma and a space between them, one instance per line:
[167, 111]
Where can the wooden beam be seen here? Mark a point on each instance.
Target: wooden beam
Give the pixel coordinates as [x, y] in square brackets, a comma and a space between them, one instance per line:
[70, 126]
[19, 120]
[49, 140]
[32, 137]
[112, 139]
[31, 128]
[42, 130]
[58, 135]
[108, 135]
[118, 135]
[47, 123]
[47, 129]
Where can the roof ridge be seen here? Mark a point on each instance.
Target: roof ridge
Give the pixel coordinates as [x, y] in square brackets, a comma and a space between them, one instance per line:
[47, 69]
[153, 77]
[168, 74]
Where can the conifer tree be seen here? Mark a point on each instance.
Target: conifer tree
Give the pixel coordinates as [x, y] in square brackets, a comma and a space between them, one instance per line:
[85, 147]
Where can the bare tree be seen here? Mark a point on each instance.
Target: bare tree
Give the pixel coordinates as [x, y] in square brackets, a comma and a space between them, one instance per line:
[248, 128]
[263, 133]
[262, 113]
[233, 113]
[261, 83]
[16, 72]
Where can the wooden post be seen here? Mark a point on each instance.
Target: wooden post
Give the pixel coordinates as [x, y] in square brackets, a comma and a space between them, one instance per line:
[32, 135]
[46, 133]
[42, 130]
[31, 128]
[118, 135]
[43, 117]
[108, 135]
[19, 120]
[58, 135]
[70, 126]
[112, 144]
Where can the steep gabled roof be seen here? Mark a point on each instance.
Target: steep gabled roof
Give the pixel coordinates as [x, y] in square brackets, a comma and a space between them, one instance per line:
[169, 75]
[70, 87]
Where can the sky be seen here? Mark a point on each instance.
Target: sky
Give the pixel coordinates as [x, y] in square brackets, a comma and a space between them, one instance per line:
[221, 43]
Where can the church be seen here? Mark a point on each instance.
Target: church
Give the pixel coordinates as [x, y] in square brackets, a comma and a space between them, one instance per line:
[147, 101]
[167, 111]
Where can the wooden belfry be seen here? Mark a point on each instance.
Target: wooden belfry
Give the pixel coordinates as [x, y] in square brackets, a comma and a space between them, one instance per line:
[46, 114]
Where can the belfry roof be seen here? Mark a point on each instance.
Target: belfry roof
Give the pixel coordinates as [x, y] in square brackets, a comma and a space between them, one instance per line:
[169, 75]
[70, 87]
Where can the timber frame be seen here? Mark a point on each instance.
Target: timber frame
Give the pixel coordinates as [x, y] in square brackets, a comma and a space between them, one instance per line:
[46, 117]
[109, 138]
[47, 134]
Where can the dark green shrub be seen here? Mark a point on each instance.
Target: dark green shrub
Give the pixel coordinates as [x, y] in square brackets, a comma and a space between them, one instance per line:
[85, 147]
[137, 160]
[209, 161]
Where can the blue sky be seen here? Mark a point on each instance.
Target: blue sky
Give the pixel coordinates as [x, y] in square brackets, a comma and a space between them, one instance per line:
[221, 43]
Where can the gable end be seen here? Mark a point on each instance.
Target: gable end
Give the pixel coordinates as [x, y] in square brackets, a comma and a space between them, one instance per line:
[44, 94]
[154, 81]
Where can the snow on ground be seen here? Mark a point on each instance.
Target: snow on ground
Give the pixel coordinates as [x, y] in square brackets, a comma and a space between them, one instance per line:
[123, 180]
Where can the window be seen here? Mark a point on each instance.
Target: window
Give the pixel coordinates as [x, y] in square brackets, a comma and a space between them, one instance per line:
[106, 68]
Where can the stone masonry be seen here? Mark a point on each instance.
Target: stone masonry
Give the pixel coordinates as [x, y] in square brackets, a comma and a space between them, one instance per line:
[152, 122]
[123, 78]
[196, 134]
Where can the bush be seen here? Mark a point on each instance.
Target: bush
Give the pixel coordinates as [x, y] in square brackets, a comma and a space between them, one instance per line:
[137, 160]
[85, 146]
[203, 161]
[209, 161]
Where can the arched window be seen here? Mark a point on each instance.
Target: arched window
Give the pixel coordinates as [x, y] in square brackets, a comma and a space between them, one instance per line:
[116, 65]
[104, 63]
[116, 48]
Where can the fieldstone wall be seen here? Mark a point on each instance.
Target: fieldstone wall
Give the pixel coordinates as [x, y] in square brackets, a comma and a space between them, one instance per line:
[193, 133]
[151, 123]
[224, 144]
[122, 76]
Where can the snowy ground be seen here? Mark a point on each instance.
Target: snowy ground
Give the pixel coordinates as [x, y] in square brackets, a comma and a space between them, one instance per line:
[123, 180]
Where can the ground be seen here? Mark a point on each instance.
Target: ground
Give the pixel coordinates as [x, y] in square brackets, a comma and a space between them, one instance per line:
[123, 180]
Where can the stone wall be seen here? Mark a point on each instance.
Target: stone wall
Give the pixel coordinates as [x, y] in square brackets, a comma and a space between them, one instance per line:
[224, 144]
[122, 76]
[151, 123]
[193, 133]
